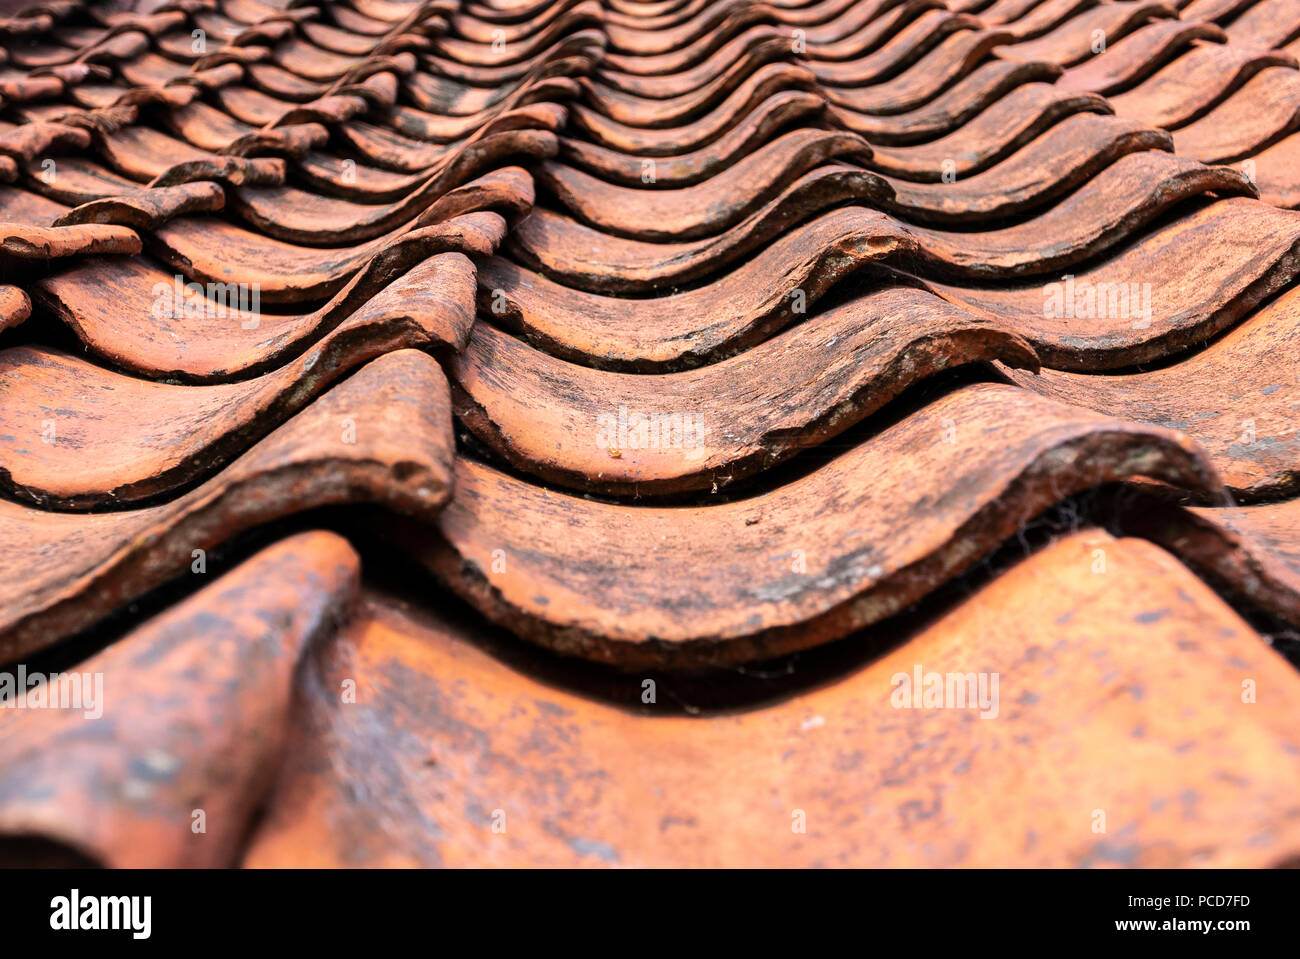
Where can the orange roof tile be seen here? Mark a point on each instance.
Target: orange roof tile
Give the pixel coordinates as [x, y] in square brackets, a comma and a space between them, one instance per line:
[678, 375]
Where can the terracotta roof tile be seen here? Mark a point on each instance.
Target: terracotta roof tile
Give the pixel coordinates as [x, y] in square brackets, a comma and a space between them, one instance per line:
[383, 436]
[159, 759]
[809, 561]
[677, 337]
[568, 772]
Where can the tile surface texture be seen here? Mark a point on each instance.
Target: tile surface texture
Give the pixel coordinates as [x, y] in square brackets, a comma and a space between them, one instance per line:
[630, 433]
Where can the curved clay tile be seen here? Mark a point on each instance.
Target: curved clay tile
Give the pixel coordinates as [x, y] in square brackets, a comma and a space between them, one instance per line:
[290, 141]
[1137, 56]
[24, 89]
[725, 291]
[407, 163]
[777, 112]
[1074, 40]
[428, 96]
[390, 150]
[211, 251]
[423, 125]
[924, 80]
[345, 16]
[1217, 11]
[510, 11]
[38, 55]
[32, 140]
[1238, 398]
[1268, 24]
[585, 43]
[269, 78]
[1194, 83]
[1027, 21]
[336, 40]
[865, 773]
[195, 708]
[301, 216]
[638, 22]
[102, 98]
[984, 86]
[1057, 162]
[159, 22]
[683, 58]
[77, 181]
[14, 306]
[27, 24]
[632, 8]
[903, 49]
[519, 45]
[232, 171]
[806, 13]
[383, 436]
[398, 11]
[809, 562]
[1277, 173]
[311, 62]
[832, 46]
[141, 153]
[380, 89]
[427, 126]
[706, 208]
[675, 48]
[479, 23]
[1248, 552]
[259, 109]
[1266, 108]
[794, 391]
[506, 190]
[853, 18]
[150, 207]
[1001, 11]
[212, 130]
[1109, 209]
[154, 72]
[640, 111]
[349, 43]
[1006, 126]
[755, 44]
[1174, 287]
[684, 329]
[732, 112]
[580, 256]
[179, 46]
[121, 441]
[262, 34]
[124, 46]
[22, 241]
[200, 341]
[453, 98]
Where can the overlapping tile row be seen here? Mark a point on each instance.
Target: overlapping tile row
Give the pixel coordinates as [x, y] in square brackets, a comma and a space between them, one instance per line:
[761, 325]
[242, 258]
[256, 219]
[674, 320]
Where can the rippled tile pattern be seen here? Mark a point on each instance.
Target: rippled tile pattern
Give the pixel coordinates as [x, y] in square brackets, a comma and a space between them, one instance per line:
[649, 433]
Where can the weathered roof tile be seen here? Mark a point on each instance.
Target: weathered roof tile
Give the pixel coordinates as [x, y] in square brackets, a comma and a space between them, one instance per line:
[675, 336]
